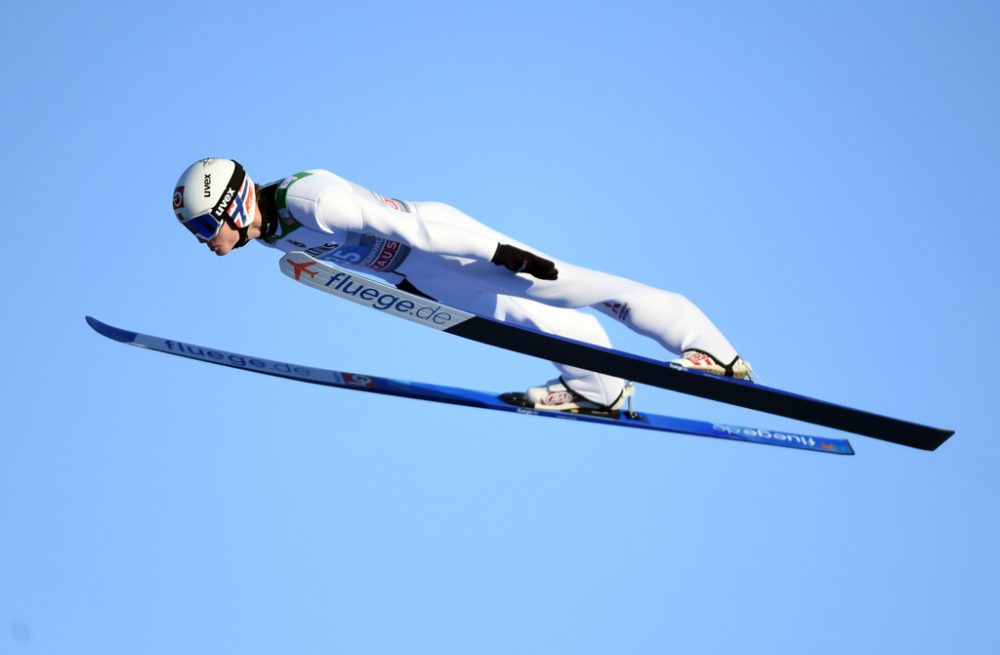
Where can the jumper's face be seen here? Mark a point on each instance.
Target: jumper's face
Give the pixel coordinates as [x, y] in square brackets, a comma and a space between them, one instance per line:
[224, 242]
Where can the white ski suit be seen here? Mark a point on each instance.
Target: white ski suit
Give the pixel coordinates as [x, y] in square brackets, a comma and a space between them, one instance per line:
[446, 255]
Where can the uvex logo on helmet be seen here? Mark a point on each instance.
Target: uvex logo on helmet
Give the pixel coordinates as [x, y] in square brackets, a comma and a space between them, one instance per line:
[227, 198]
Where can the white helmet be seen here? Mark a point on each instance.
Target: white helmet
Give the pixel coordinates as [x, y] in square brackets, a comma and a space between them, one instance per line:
[214, 191]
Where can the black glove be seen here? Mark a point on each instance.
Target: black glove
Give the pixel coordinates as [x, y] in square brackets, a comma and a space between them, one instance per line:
[522, 261]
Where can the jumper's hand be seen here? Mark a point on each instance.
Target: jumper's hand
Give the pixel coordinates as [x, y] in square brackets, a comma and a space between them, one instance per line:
[522, 261]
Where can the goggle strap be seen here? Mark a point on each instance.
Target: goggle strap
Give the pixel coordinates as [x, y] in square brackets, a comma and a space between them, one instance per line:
[232, 188]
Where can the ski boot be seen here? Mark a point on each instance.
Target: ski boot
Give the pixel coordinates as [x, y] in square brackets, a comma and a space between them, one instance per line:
[699, 360]
[555, 395]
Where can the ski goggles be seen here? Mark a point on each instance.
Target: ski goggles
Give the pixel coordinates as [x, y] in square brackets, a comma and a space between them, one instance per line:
[238, 204]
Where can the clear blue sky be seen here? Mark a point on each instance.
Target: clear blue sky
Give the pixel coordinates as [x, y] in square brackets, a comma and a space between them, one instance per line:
[822, 178]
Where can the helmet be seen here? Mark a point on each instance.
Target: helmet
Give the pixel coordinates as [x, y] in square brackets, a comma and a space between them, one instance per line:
[212, 192]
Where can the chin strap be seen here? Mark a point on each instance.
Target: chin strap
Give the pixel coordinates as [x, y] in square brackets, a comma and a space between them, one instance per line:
[244, 237]
[269, 224]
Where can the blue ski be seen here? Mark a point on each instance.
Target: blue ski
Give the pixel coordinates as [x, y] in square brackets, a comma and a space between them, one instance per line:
[336, 281]
[465, 397]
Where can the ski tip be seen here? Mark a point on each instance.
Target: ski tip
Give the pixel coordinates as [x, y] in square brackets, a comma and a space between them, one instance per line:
[110, 331]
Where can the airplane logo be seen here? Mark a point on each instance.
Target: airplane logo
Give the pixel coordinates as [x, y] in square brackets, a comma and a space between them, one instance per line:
[302, 267]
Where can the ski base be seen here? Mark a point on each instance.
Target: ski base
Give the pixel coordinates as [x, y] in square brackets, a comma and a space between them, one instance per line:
[466, 397]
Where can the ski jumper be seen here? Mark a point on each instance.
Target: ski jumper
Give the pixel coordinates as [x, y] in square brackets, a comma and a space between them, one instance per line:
[446, 254]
